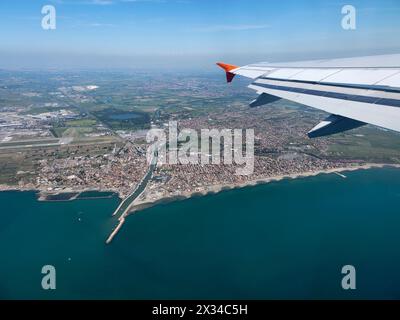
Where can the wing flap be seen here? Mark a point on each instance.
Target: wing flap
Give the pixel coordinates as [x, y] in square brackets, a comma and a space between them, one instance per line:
[263, 99]
[379, 115]
[334, 124]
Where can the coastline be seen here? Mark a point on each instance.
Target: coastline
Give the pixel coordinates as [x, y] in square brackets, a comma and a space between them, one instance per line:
[140, 205]
[209, 190]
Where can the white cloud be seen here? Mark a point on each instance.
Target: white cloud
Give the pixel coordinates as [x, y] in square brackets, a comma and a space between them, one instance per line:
[96, 25]
[238, 27]
[109, 2]
[154, 1]
[102, 2]
[93, 2]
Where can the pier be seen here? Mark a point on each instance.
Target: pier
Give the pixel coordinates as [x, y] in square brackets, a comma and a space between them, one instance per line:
[340, 175]
[125, 206]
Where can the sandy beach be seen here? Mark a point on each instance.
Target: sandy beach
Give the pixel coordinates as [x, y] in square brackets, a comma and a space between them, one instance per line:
[139, 205]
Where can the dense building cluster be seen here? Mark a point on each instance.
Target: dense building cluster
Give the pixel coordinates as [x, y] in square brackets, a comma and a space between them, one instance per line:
[119, 171]
[281, 149]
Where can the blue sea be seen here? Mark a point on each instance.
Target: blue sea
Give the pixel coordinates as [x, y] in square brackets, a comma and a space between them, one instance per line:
[282, 240]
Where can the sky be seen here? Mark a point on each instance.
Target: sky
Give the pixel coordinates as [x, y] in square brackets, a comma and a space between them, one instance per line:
[191, 33]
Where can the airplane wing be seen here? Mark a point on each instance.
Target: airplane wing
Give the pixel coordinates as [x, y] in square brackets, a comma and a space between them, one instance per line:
[355, 91]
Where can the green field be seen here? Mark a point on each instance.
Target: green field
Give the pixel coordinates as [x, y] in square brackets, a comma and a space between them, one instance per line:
[369, 144]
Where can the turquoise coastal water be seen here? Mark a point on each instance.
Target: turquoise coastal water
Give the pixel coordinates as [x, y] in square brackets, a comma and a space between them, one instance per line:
[286, 239]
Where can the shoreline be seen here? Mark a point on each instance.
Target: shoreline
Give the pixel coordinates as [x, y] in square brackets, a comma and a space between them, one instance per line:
[140, 205]
[209, 190]
[212, 189]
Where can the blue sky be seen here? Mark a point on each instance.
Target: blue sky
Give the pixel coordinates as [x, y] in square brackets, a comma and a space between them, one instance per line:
[145, 33]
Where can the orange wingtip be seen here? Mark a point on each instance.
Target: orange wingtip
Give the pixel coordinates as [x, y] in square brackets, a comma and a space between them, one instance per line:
[226, 67]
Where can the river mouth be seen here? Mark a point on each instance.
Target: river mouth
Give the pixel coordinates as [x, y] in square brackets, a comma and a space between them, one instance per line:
[127, 202]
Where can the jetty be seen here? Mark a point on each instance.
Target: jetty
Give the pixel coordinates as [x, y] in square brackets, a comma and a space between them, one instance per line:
[340, 175]
[126, 205]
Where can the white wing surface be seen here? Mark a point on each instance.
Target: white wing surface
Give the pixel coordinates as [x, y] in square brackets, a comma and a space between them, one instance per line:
[355, 91]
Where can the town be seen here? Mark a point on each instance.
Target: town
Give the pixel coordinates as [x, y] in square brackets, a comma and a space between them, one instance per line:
[63, 133]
